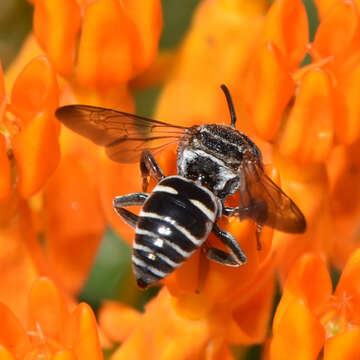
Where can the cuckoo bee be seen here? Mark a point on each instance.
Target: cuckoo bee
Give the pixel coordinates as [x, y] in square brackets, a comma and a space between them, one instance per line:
[213, 162]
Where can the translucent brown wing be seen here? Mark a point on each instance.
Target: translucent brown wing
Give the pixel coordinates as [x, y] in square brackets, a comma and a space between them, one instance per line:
[267, 204]
[124, 135]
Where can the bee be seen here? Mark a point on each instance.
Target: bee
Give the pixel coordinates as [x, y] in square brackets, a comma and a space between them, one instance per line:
[213, 162]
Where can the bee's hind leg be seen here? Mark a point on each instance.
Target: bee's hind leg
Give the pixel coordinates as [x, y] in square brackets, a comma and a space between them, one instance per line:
[129, 200]
[149, 166]
[235, 257]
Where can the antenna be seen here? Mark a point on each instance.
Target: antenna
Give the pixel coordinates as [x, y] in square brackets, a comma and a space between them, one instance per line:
[230, 105]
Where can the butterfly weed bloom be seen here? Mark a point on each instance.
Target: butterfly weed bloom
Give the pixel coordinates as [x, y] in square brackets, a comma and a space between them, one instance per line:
[92, 59]
[217, 302]
[313, 317]
[309, 113]
[52, 329]
[274, 98]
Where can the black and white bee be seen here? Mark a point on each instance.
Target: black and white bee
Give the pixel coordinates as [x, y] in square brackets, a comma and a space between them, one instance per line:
[213, 162]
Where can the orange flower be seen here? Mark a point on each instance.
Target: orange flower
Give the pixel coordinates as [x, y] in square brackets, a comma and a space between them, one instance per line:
[53, 331]
[309, 319]
[31, 126]
[305, 112]
[168, 326]
[63, 210]
[118, 40]
[98, 46]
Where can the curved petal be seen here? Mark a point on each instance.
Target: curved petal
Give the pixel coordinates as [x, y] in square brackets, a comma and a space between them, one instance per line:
[37, 153]
[106, 47]
[117, 320]
[147, 17]
[82, 334]
[286, 26]
[5, 354]
[64, 355]
[160, 337]
[342, 43]
[309, 131]
[35, 90]
[192, 93]
[56, 24]
[250, 320]
[347, 107]
[343, 346]
[269, 88]
[12, 335]
[47, 310]
[308, 187]
[309, 281]
[17, 261]
[348, 286]
[298, 335]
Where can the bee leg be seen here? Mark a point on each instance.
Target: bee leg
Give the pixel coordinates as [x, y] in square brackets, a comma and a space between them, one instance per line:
[149, 166]
[258, 234]
[129, 200]
[230, 211]
[235, 257]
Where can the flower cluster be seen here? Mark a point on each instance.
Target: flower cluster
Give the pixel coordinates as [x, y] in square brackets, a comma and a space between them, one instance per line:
[295, 98]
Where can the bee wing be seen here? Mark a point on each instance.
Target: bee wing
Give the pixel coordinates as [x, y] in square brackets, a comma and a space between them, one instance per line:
[268, 204]
[124, 135]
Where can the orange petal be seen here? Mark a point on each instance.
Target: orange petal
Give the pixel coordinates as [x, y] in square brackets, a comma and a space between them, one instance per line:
[341, 43]
[192, 93]
[309, 281]
[298, 335]
[324, 6]
[30, 49]
[117, 320]
[5, 178]
[218, 348]
[17, 267]
[286, 26]
[47, 310]
[219, 283]
[82, 334]
[105, 56]
[347, 107]
[348, 284]
[37, 153]
[64, 355]
[343, 346]
[269, 88]
[250, 319]
[147, 17]
[344, 173]
[56, 24]
[160, 337]
[308, 187]
[71, 199]
[5, 355]
[157, 73]
[12, 335]
[309, 132]
[35, 90]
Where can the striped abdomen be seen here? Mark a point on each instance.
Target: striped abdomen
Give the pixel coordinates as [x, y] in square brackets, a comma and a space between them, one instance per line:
[174, 221]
